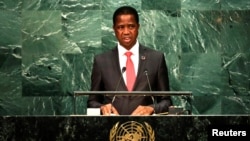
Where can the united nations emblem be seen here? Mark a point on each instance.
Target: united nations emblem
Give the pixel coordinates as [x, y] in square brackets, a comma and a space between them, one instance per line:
[132, 131]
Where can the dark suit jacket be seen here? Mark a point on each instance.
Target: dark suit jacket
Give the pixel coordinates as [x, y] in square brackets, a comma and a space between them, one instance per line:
[106, 74]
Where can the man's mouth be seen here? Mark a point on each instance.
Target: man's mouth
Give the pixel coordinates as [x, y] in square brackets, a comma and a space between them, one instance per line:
[127, 39]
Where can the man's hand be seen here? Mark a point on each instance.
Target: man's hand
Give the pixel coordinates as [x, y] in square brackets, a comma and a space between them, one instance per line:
[143, 111]
[106, 110]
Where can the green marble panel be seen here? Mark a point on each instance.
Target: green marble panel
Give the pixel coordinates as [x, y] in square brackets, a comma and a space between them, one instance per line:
[10, 28]
[173, 61]
[235, 31]
[76, 72]
[235, 52]
[41, 4]
[79, 5]
[161, 4]
[12, 5]
[112, 5]
[235, 4]
[83, 28]
[10, 60]
[108, 39]
[201, 4]
[160, 30]
[41, 34]
[235, 105]
[200, 73]
[55, 105]
[211, 104]
[11, 101]
[200, 31]
[41, 43]
[236, 74]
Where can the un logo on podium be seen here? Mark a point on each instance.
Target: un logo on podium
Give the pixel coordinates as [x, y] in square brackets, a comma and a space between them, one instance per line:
[132, 131]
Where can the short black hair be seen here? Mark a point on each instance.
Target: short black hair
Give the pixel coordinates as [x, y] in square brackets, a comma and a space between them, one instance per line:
[126, 10]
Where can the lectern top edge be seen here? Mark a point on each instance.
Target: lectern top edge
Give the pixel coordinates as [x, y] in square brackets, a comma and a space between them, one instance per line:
[143, 93]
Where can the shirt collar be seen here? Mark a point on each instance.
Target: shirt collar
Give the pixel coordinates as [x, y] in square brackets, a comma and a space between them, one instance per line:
[134, 49]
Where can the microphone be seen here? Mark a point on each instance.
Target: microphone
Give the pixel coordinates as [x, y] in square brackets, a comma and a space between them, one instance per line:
[116, 88]
[143, 57]
[152, 97]
[146, 73]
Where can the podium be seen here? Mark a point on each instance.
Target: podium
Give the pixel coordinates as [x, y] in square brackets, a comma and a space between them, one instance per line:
[103, 128]
[120, 128]
[187, 95]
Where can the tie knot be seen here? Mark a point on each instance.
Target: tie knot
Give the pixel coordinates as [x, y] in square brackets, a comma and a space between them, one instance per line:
[128, 54]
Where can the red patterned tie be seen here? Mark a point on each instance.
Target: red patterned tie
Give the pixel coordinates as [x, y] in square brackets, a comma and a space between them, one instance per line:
[130, 72]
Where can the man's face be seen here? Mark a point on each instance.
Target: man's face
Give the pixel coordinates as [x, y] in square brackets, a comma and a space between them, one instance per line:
[126, 30]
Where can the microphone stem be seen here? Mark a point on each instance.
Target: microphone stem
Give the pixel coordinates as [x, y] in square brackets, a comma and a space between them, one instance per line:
[116, 88]
[152, 97]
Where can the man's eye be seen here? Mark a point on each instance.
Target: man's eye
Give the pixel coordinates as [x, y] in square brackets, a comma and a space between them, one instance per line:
[131, 26]
[120, 27]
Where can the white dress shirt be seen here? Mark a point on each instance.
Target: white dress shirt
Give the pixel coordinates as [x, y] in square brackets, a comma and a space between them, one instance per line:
[123, 57]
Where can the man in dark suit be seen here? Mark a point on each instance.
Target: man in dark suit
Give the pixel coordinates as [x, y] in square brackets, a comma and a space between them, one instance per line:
[110, 71]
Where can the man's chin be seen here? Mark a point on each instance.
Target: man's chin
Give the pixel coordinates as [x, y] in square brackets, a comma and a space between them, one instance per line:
[127, 45]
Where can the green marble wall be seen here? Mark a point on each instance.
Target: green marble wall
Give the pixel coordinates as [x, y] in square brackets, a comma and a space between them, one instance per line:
[47, 47]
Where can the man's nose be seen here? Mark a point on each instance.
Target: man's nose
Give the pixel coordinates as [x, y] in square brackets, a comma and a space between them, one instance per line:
[126, 30]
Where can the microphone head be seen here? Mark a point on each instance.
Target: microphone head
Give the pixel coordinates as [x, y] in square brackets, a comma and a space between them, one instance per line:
[143, 57]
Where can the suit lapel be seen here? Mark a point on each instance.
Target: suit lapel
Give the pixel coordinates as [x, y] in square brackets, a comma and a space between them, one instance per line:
[117, 70]
[142, 62]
